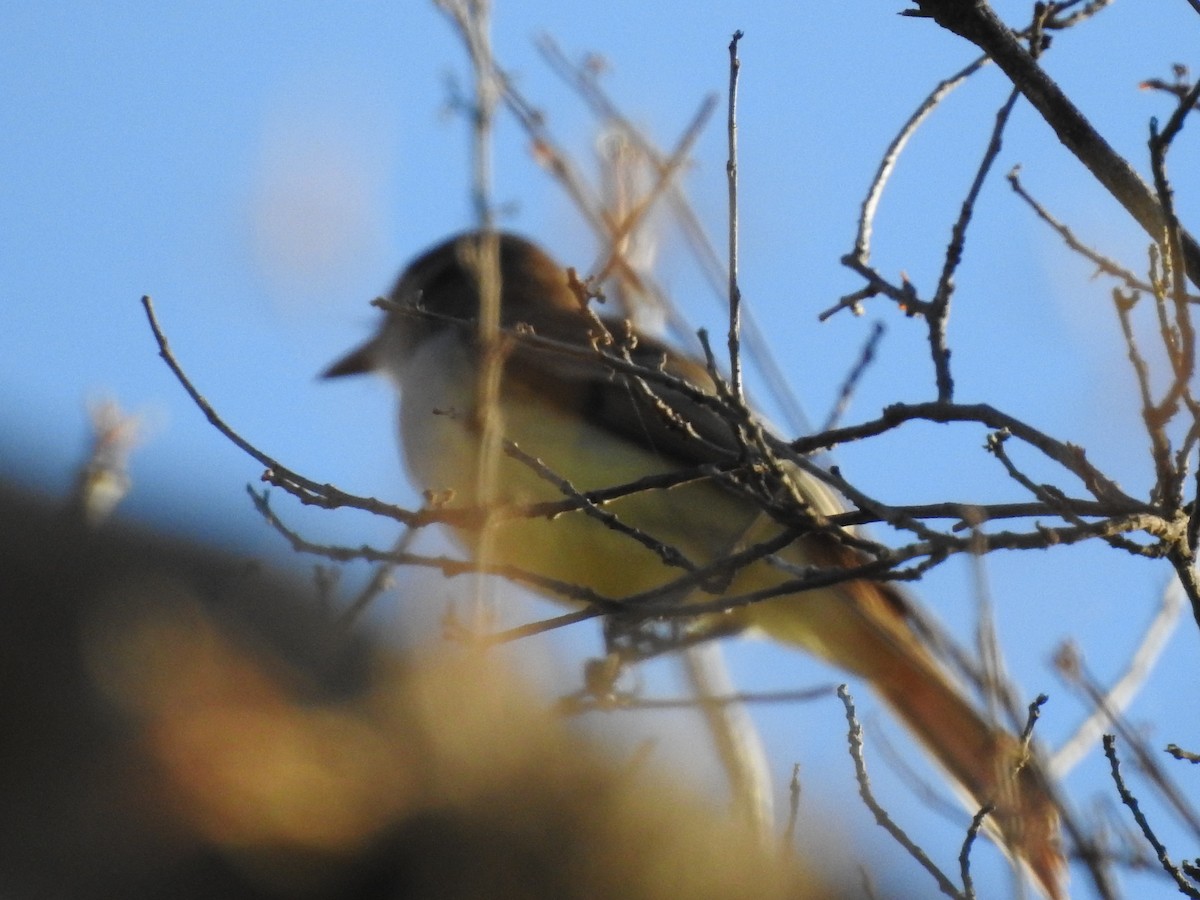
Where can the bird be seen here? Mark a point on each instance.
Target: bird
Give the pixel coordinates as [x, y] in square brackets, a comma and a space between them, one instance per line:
[653, 479]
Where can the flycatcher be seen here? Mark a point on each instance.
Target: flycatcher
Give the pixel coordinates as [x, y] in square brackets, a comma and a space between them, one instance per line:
[599, 408]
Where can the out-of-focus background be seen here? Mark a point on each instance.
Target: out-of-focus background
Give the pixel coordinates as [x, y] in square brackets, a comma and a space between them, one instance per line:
[264, 171]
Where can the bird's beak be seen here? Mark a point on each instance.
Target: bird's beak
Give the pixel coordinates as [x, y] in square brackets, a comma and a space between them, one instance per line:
[359, 361]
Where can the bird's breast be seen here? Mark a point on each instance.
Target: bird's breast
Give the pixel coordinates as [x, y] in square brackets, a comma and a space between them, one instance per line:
[441, 437]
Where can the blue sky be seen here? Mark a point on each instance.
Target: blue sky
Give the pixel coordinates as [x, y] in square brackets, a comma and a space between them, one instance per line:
[263, 171]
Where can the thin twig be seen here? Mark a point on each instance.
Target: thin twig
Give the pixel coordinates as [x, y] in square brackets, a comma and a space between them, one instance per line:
[582, 80]
[964, 854]
[1127, 797]
[855, 739]
[938, 312]
[1069, 456]
[669, 554]
[472, 23]
[586, 701]
[789, 831]
[1049, 494]
[995, 686]
[1184, 755]
[1102, 263]
[731, 172]
[448, 566]
[870, 204]
[376, 585]
[665, 177]
[865, 357]
[307, 491]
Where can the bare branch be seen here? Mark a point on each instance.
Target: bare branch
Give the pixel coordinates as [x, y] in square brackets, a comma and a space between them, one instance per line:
[1102, 263]
[939, 307]
[870, 204]
[855, 738]
[979, 24]
[735, 292]
[865, 357]
[1185, 886]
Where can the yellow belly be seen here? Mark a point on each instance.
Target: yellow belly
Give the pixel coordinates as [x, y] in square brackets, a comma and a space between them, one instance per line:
[699, 519]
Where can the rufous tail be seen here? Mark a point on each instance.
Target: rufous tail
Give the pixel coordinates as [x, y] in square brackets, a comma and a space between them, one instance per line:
[863, 627]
